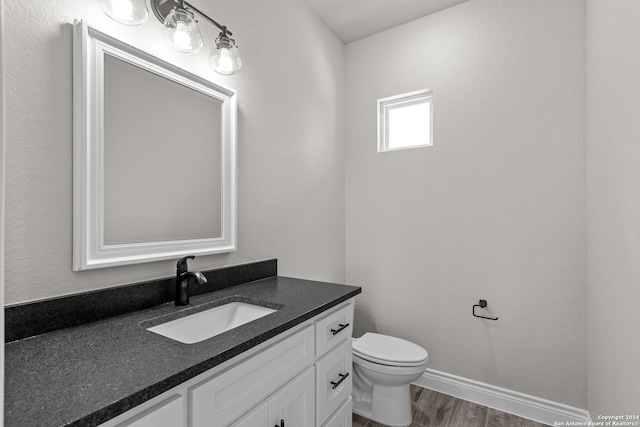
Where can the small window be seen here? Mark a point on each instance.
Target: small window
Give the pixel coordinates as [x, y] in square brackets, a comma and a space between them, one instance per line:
[405, 121]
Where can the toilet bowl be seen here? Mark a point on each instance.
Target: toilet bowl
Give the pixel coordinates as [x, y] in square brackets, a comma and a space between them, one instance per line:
[383, 367]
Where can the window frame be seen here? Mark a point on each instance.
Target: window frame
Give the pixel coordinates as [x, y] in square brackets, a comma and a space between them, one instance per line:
[398, 101]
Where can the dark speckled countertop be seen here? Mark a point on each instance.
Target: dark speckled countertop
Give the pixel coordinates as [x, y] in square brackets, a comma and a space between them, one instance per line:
[88, 374]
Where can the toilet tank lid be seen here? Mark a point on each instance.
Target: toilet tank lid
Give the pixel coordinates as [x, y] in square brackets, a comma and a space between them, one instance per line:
[392, 349]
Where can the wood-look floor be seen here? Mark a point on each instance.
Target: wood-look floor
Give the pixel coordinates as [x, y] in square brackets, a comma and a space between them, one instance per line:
[433, 409]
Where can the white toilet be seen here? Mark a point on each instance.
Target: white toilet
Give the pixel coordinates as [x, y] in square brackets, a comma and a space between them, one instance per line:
[383, 367]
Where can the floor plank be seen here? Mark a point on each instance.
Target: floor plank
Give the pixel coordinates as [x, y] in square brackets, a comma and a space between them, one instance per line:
[497, 418]
[433, 409]
[359, 421]
[468, 414]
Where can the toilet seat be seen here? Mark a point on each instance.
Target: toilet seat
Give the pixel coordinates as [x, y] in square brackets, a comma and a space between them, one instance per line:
[389, 351]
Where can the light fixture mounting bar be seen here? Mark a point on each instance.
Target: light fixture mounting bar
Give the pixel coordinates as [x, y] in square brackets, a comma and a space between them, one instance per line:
[161, 9]
[196, 10]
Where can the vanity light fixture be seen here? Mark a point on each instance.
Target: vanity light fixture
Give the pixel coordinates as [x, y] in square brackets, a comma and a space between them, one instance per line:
[224, 56]
[181, 28]
[183, 34]
[128, 12]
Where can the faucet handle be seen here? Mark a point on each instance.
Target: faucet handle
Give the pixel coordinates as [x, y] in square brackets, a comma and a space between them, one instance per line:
[181, 266]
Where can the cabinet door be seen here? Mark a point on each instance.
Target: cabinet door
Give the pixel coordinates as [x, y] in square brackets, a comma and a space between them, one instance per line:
[294, 404]
[257, 417]
[169, 413]
[218, 401]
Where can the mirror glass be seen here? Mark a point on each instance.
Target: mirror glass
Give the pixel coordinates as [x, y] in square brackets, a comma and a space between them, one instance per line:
[158, 160]
[154, 157]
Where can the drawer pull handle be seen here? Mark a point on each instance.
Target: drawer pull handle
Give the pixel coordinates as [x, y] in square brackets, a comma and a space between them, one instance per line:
[342, 326]
[281, 424]
[335, 384]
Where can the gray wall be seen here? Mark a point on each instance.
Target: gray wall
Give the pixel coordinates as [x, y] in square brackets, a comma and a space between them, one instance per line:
[495, 209]
[290, 141]
[614, 206]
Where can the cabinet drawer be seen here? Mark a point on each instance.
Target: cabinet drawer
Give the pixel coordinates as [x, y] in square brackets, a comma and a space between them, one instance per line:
[343, 417]
[333, 328]
[333, 381]
[219, 400]
[257, 417]
[168, 413]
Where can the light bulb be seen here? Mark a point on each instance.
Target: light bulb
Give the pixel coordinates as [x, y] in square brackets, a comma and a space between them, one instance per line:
[225, 62]
[181, 37]
[128, 12]
[122, 8]
[181, 31]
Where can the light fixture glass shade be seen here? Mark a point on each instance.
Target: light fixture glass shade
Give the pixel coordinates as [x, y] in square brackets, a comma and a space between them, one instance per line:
[182, 32]
[128, 12]
[225, 56]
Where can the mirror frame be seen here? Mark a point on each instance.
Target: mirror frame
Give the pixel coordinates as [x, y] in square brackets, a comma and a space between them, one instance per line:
[89, 250]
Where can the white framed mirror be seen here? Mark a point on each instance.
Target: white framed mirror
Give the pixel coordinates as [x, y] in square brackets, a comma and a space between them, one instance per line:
[154, 156]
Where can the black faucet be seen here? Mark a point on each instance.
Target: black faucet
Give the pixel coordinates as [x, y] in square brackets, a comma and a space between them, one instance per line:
[183, 275]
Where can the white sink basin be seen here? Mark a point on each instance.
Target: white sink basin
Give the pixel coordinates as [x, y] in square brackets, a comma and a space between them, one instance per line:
[209, 323]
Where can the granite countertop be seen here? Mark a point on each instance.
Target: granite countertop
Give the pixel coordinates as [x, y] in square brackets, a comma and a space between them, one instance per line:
[86, 375]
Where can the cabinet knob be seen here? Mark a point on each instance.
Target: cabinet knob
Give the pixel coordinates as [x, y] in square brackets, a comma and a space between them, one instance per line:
[281, 424]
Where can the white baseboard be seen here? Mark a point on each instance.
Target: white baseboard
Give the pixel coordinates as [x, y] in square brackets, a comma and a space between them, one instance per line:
[513, 402]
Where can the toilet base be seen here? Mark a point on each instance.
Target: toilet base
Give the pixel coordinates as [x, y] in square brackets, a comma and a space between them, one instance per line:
[391, 405]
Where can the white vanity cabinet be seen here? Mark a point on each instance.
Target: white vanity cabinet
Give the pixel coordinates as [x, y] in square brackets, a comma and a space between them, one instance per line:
[294, 403]
[342, 417]
[333, 381]
[225, 397]
[167, 413]
[257, 417]
[333, 365]
[301, 377]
